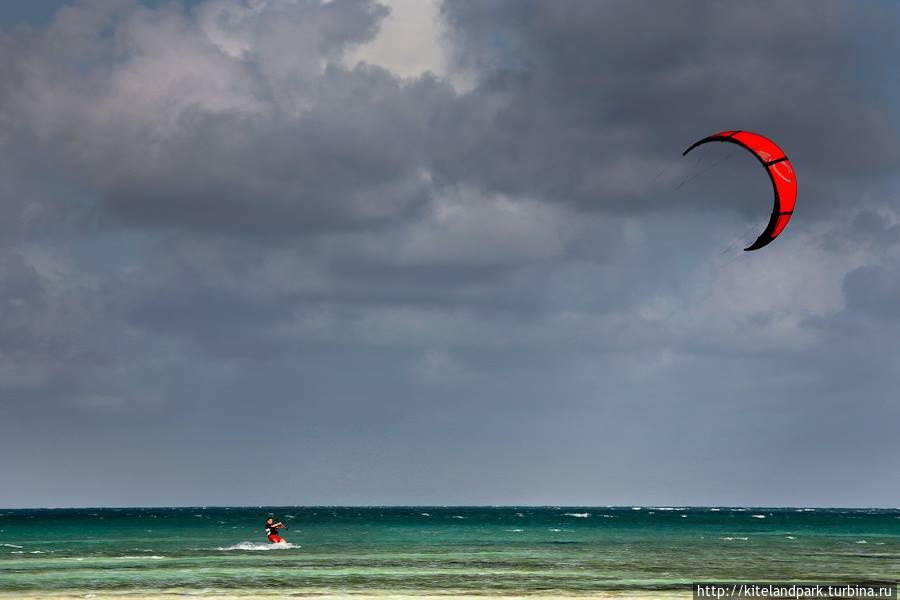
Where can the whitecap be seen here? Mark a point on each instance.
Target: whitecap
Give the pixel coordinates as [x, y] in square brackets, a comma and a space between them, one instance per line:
[556, 530]
[790, 537]
[11, 546]
[758, 516]
[636, 508]
[457, 517]
[577, 515]
[735, 538]
[861, 542]
[515, 530]
[684, 516]
[715, 509]
[256, 546]
[425, 514]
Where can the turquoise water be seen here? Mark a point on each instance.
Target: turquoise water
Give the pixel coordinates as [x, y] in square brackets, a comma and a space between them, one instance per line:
[427, 550]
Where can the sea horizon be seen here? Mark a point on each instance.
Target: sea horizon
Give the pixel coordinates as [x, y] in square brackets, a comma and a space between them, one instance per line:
[350, 505]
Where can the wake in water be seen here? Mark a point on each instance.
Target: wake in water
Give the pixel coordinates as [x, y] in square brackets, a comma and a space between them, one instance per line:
[256, 546]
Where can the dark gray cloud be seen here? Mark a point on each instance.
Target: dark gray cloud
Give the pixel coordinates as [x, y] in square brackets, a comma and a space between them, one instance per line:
[200, 121]
[497, 284]
[874, 290]
[584, 101]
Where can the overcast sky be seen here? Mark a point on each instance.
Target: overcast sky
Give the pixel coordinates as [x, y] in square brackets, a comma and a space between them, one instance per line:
[421, 252]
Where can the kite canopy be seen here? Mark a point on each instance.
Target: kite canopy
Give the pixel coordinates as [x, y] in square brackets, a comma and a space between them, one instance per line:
[780, 171]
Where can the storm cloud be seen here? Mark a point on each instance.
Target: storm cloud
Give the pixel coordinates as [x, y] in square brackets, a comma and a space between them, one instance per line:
[244, 232]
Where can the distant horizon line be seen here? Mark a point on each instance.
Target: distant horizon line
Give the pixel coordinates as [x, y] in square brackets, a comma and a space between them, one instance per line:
[634, 507]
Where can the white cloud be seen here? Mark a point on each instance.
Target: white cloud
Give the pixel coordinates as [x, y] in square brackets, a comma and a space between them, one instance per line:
[409, 42]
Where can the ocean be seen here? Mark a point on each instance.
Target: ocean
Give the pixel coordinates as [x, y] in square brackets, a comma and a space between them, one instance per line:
[435, 551]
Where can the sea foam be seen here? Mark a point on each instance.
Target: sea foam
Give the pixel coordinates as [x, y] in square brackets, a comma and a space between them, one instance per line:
[256, 546]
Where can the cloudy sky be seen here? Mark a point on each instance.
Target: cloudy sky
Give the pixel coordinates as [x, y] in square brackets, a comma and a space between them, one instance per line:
[423, 252]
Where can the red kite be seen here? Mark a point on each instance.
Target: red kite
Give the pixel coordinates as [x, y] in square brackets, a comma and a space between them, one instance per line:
[780, 172]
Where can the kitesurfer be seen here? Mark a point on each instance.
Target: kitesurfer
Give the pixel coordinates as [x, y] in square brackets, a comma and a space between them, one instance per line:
[272, 527]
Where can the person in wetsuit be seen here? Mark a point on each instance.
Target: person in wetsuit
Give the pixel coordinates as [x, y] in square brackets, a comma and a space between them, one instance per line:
[272, 528]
